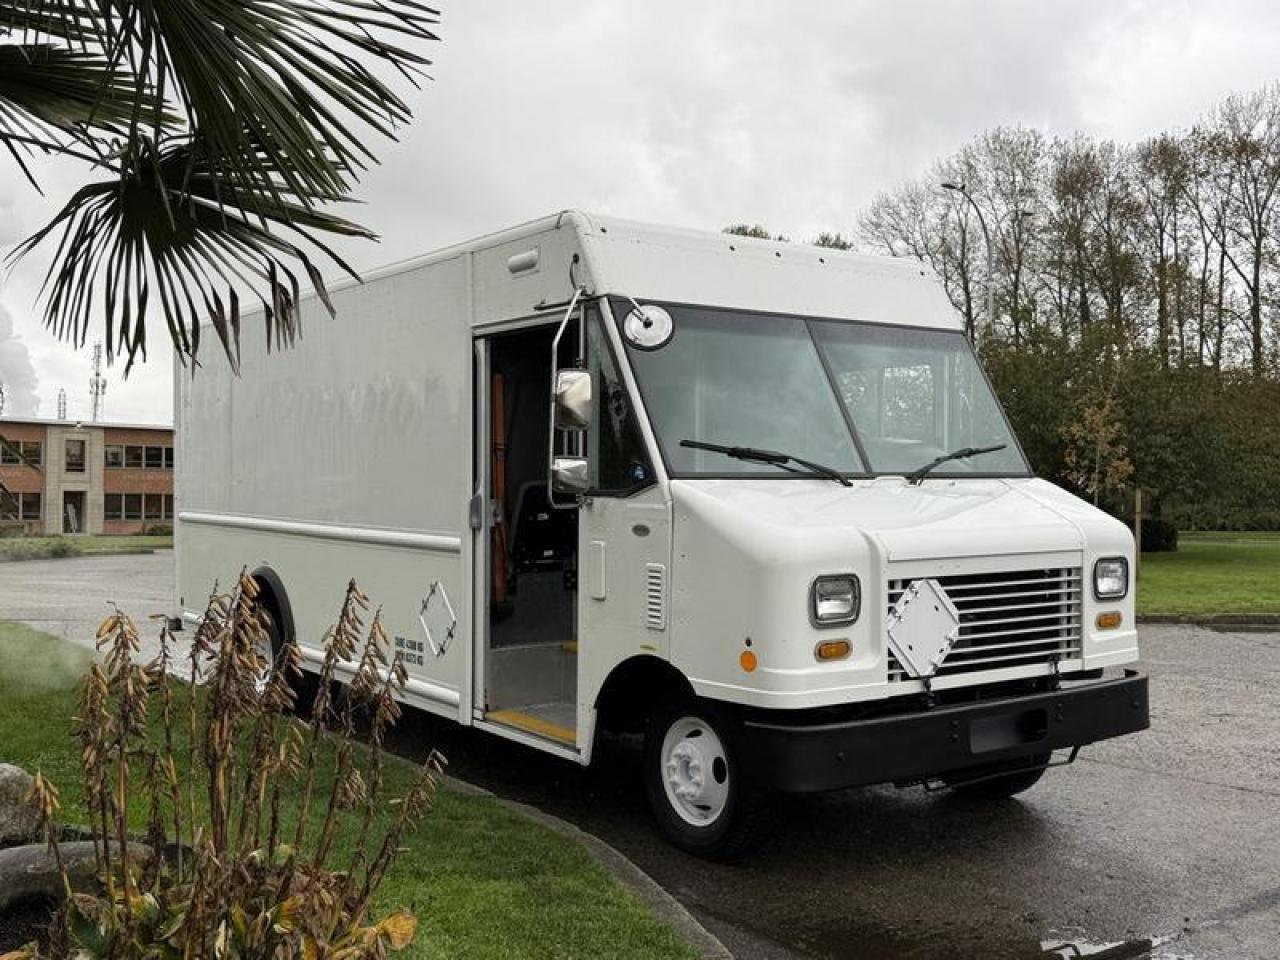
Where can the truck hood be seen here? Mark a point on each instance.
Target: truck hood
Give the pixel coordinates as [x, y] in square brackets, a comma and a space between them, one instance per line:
[941, 518]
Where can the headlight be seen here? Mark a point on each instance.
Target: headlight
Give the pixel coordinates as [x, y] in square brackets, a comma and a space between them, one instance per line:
[1111, 578]
[834, 599]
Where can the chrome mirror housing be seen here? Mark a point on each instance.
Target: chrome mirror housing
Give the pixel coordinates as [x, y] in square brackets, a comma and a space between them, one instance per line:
[570, 475]
[573, 399]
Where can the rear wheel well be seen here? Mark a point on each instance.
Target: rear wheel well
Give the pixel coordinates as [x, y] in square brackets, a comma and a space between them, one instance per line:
[273, 596]
[634, 690]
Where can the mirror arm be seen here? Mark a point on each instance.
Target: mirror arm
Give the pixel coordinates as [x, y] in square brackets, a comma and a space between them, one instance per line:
[578, 291]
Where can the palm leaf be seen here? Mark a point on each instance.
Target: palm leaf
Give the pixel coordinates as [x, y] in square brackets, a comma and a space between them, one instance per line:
[268, 83]
[273, 97]
[66, 20]
[172, 230]
[64, 88]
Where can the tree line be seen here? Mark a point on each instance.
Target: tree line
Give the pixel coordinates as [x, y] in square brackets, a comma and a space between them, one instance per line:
[1131, 323]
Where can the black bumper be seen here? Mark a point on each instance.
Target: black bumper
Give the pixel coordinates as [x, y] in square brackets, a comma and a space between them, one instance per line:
[914, 746]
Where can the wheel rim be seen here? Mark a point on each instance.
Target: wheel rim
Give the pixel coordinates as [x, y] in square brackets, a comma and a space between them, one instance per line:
[264, 649]
[695, 771]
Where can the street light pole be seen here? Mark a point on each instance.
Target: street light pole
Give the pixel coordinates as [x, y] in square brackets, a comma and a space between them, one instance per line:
[961, 189]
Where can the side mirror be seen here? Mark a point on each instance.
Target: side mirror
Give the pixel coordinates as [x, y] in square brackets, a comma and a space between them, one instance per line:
[570, 475]
[573, 399]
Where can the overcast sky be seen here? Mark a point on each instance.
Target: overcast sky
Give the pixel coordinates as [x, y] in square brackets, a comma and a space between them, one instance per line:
[703, 113]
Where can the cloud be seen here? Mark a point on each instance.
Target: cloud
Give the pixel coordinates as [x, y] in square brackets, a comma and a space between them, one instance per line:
[17, 372]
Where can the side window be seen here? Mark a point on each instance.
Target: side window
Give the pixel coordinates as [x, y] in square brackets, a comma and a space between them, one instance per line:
[619, 461]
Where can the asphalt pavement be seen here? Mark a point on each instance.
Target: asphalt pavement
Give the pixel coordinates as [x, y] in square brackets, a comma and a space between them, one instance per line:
[1162, 845]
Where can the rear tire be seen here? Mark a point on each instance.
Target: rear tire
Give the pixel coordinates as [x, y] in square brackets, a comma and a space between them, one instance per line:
[1007, 779]
[695, 782]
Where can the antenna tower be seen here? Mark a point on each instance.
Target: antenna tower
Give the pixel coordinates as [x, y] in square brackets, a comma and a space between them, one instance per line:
[97, 383]
[62, 404]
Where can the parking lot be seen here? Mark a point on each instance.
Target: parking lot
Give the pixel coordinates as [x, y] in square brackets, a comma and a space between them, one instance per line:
[1165, 843]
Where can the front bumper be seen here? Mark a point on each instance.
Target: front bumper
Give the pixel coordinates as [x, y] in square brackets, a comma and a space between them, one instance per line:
[918, 745]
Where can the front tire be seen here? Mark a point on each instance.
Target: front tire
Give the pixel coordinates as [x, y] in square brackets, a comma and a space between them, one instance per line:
[695, 782]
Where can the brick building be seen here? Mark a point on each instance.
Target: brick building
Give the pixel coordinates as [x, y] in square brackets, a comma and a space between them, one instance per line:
[66, 477]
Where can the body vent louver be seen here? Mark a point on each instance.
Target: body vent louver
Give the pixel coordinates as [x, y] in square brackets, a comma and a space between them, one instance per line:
[655, 601]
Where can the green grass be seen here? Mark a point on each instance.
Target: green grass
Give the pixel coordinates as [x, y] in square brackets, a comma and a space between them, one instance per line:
[483, 881]
[1213, 574]
[1230, 536]
[37, 548]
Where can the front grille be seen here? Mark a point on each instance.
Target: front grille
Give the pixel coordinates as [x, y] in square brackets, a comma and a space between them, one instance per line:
[1009, 619]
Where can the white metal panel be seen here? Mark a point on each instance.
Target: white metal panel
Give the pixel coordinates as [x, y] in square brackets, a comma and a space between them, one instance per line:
[686, 266]
[346, 456]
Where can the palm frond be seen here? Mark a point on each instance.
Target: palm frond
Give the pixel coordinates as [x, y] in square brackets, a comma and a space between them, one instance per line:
[64, 88]
[276, 86]
[66, 20]
[272, 100]
[173, 231]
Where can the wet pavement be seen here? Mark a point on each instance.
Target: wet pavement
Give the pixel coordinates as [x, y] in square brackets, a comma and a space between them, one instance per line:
[1163, 845]
[71, 596]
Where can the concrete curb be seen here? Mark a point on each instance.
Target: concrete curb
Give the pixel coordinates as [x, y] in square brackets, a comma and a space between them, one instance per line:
[1214, 619]
[667, 908]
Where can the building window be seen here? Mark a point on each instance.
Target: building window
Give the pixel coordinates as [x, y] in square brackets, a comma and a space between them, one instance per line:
[133, 456]
[155, 458]
[113, 506]
[75, 456]
[19, 506]
[168, 506]
[153, 506]
[22, 451]
[113, 455]
[133, 506]
[168, 458]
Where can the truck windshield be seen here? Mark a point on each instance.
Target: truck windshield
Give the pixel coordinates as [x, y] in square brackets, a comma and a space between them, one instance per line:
[911, 394]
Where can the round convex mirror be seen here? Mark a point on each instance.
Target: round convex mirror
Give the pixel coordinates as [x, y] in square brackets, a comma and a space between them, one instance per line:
[648, 327]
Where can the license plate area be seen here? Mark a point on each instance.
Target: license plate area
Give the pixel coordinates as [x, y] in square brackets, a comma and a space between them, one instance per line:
[1005, 730]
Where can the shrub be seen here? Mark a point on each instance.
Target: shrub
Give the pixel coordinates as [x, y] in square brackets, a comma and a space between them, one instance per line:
[159, 530]
[1158, 535]
[237, 880]
[62, 548]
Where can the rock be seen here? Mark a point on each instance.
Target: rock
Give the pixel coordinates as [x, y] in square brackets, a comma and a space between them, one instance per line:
[31, 871]
[19, 819]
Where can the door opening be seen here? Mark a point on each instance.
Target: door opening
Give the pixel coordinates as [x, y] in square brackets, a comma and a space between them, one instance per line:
[531, 668]
[73, 518]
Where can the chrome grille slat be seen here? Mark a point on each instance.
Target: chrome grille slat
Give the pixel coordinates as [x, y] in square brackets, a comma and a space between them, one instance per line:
[1066, 654]
[1055, 604]
[1064, 620]
[1007, 618]
[1064, 592]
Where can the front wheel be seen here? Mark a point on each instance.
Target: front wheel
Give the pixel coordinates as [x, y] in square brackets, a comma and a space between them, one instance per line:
[695, 781]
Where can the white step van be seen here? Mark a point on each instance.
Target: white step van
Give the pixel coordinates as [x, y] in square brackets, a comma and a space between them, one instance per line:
[754, 500]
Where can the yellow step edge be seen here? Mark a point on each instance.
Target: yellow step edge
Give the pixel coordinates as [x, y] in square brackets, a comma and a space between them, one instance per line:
[535, 725]
[569, 646]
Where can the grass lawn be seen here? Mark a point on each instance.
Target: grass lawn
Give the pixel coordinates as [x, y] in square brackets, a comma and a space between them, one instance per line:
[483, 881]
[1213, 573]
[35, 548]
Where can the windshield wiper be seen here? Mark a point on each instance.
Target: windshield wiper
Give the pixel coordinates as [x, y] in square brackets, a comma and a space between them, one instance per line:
[756, 455]
[963, 453]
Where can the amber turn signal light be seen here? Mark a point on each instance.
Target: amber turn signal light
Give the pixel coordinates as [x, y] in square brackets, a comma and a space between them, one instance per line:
[832, 650]
[1109, 620]
[748, 661]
